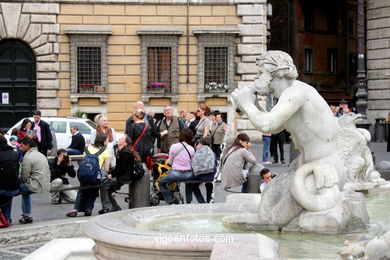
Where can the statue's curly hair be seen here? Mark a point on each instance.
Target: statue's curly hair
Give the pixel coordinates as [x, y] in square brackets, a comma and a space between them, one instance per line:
[282, 62]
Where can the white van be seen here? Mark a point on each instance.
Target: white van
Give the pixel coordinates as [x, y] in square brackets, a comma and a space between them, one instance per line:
[61, 127]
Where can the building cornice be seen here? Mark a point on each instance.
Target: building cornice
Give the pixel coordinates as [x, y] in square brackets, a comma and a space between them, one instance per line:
[88, 29]
[145, 2]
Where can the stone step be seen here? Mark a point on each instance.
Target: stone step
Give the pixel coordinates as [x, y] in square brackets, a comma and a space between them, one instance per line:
[41, 231]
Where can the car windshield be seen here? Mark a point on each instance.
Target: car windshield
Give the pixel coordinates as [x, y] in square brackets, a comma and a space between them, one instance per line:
[89, 122]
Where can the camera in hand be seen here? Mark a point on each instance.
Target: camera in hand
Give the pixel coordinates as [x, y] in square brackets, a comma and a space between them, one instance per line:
[65, 159]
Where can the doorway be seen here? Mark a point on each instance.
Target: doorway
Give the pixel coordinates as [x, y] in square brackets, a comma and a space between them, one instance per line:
[17, 82]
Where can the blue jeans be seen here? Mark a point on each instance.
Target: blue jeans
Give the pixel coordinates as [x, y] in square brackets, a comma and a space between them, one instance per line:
[72, 151]
[6, 209]
[266, 145]
[26, 199]
[174, 176]
[85, 199]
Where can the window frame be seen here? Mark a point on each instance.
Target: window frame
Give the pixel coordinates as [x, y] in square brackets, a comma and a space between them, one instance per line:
[307, 67]
[159, 37]
[87, 52]
[87, 36]
[87, 41]
[214, 66]
[332, 57]
[215, 40]
[159, 71]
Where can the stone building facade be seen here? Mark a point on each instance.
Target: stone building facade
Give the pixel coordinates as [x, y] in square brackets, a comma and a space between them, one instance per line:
[378, 58]
[95, 57]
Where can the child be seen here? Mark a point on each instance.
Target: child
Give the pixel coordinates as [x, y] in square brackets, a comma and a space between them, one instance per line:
[266, 176]
[13, 142]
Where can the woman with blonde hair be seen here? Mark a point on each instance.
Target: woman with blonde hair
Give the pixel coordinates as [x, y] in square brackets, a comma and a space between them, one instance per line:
[141, 135]
[102, 127]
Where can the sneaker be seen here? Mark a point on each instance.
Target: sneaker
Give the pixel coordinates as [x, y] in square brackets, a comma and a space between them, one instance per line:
[26, 220]
[87, 213]
[267, 162]
[282, 161]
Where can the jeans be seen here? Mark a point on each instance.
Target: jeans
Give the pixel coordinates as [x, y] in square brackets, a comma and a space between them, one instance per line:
[72, 151]
[26, 199]
[104, 195]
[6, 208]
[217, 150]
[111, 190]
[85, 200]
[277, 140]
[174, 176]
[266, 146]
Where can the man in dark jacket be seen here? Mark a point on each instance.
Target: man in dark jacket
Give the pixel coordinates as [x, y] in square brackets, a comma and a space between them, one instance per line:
[9, 180]
[77, 145]
[42, 134]
[61, 166]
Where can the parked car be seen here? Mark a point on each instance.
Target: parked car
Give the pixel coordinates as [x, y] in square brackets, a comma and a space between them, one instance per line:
[61, 127]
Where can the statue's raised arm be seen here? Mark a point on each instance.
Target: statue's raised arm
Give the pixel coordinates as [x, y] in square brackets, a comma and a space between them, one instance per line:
[276, 75]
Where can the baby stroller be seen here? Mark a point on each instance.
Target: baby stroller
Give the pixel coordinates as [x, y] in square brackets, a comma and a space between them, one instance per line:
[160, 167]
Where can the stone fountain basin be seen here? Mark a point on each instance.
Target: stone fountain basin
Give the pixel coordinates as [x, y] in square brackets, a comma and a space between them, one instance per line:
[125, 234]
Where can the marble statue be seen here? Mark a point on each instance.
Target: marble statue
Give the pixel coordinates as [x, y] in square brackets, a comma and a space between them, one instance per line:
[356, 153]
[311, 192]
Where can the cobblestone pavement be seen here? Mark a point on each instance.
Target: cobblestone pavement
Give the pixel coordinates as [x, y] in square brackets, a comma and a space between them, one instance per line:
[44, 211]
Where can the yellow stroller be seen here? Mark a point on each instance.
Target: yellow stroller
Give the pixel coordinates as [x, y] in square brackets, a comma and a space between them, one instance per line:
[160, 168]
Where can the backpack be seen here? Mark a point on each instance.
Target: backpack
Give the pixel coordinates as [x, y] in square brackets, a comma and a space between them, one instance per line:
[89, 169]
[138, 171]
[203, 161]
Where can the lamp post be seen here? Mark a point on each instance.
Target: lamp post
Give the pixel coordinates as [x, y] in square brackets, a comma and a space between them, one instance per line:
[361, 94]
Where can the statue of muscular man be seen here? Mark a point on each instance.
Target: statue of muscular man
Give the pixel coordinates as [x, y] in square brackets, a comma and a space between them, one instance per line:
[319, 172]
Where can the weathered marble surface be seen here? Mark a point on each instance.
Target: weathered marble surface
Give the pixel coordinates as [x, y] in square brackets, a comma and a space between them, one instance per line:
[330, 155]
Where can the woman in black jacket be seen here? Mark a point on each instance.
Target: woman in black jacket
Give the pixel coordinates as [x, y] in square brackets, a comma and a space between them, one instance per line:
[9, 180]
[141, 135]
[122, 173]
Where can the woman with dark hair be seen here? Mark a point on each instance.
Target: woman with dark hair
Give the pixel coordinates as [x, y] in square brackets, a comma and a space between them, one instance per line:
[140, 133]
[125, 157]
[203, 126]
[180, 156]
[85, 199]
[25, 130]
[234, 162]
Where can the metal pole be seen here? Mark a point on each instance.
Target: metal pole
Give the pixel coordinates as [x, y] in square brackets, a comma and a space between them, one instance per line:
[361, 95]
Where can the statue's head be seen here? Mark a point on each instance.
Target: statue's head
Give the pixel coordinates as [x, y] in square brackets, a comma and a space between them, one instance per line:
[280, 64]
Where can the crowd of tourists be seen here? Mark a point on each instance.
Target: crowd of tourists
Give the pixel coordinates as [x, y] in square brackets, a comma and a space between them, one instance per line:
[192, 141]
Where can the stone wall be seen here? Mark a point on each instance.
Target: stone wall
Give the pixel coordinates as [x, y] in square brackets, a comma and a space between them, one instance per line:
[126, 18]
[378, 58]
[36, 25]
